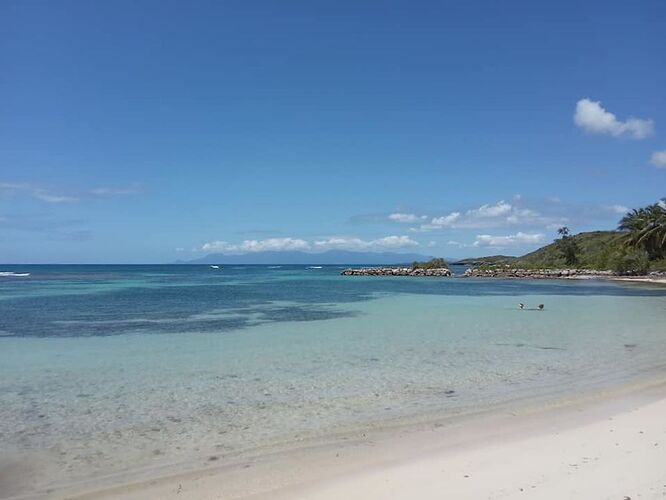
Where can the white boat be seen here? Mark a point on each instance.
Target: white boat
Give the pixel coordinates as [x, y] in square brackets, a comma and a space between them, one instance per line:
[13, 275]
[315, 267]
[215, 267]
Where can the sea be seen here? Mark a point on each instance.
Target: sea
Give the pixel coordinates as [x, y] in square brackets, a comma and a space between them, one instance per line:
[111, 368]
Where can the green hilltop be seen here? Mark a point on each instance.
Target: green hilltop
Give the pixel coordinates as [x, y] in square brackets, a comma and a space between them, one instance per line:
[599, 250]
[637, 247]
[596, 250]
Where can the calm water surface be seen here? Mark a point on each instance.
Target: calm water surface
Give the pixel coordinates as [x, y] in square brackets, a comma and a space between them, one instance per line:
[108, 368]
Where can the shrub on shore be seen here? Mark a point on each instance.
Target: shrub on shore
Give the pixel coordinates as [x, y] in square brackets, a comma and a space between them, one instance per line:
[437, 263]
[629, 261]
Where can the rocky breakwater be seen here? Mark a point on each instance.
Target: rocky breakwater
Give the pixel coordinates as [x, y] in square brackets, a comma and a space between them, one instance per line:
[536, 273]
[442, 272]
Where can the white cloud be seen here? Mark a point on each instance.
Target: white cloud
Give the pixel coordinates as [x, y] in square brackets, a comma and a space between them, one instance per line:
[518, 239]
[618, 209]
[394, 242]
[658, 159]
[36, 192]
[117, 191]
[458, 244]
[593, 118]
[340, 242]
[43, 195]
[446, 220]
[439, 222]
[248, 246]
[410, 218]
[14, 186]
[498, 214]
[497, 210]
[386, 243]
[334, 242]
[530, 216]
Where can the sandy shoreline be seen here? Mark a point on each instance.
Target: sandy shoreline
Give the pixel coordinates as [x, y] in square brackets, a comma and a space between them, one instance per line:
[642, 279]
[602, 445]
[619, 457]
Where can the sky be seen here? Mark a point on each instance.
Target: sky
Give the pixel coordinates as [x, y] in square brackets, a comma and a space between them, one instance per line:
[150, 131]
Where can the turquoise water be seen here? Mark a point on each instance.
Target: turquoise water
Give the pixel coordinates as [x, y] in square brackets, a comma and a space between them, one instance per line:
[109, 368]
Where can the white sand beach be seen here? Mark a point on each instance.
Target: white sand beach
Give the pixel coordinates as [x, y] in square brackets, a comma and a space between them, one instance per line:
[604, 446]
[622, 456]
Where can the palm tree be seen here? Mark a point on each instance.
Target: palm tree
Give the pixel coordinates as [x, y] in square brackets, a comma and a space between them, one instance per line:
[646, 229]
[567, 246]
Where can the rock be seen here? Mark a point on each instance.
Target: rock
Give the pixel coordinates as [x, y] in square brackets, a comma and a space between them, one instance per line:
[504, 272]
[439, 272]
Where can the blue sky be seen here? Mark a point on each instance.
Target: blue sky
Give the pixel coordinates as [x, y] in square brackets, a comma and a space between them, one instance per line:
[139, 131]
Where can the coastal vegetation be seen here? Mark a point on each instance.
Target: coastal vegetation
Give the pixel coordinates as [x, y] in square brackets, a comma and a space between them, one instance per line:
[436, 263]
[491, 260]
[590, 250]
[638, 246]
[646, 229]
[567, 247]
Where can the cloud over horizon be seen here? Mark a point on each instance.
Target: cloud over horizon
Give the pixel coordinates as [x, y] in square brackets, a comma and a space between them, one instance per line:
[618, 209]
[489, 215]
[35, 192]
[118, 190]
[658, 159]
[594, 119]
[510, 240]
[402, 217]
[40, 193]
[291, 244]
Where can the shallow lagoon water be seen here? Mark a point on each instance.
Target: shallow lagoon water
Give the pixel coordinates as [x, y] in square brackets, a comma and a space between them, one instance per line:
[109, 368]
